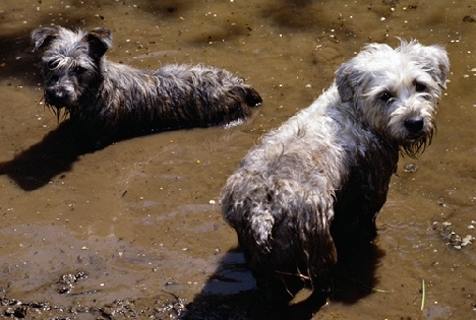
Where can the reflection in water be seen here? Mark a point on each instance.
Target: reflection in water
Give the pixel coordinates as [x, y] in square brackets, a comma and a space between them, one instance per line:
[230, 293]
[231, 277]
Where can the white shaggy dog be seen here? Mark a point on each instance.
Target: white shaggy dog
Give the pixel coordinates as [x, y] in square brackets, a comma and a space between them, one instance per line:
[315, 185]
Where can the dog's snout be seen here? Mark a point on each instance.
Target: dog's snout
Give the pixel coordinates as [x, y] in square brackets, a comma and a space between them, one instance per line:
[56, 93]
[57, 96]
[414, 125]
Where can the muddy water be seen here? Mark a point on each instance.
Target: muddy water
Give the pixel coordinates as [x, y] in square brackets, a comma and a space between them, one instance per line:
[140, 220]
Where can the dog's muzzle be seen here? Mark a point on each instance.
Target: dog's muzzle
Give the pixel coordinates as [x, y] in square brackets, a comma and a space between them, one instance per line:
[414, 125]
[57, 96]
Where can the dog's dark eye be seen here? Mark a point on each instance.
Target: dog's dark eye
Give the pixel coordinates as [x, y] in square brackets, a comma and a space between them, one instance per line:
[79, 70]
[385, 96]
[53, 65]
[420, 87]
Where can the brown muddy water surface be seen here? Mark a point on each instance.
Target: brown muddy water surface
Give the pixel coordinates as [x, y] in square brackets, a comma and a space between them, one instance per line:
[135, 230]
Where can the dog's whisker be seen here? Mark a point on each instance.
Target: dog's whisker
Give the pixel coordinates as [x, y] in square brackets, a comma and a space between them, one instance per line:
[298, 274]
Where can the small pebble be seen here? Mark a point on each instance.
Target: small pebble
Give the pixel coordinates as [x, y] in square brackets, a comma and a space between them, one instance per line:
[410, 167]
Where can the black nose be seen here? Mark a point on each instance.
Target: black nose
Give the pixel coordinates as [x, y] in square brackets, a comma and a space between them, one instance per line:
[56, 96]
[57, 92]
[414, 125]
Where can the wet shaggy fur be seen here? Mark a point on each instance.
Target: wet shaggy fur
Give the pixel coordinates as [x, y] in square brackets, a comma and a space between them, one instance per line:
[315, 185]
[110, 100]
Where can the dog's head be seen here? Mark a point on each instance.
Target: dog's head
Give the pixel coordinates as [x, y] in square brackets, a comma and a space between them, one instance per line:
[70, 61]
[396, 90]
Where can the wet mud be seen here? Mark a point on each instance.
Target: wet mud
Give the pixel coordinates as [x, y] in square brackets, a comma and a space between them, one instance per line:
[134, 231]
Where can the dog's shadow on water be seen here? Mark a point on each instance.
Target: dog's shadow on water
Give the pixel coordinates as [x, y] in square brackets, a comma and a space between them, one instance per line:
[34, 167]
[231, 292]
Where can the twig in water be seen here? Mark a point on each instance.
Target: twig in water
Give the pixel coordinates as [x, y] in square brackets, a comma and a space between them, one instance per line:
[422, 294]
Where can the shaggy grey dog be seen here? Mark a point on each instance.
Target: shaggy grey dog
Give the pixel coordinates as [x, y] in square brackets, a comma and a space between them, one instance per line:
[110, 100]
[315, 185]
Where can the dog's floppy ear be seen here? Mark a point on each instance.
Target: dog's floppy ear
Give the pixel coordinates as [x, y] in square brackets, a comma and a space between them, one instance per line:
[438, 58]
[347, 78]
[433, 59]
[42, 36]
[99, 39]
